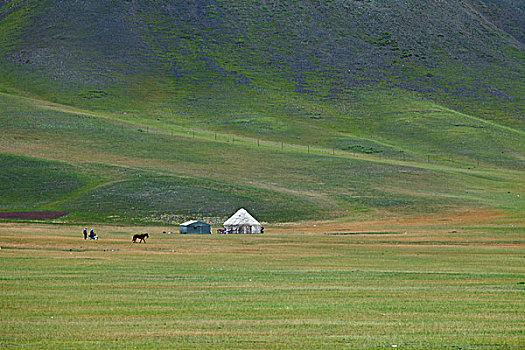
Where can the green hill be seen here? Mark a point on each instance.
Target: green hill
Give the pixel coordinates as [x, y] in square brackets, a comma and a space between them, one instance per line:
[158, 111]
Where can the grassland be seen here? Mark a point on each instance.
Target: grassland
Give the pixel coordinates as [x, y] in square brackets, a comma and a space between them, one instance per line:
[116, 168]
[198, 56]
[436, 283]
[382, 148]
[297, 110]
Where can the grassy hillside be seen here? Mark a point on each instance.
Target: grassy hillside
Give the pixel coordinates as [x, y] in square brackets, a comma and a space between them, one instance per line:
[104, 54]
[120, 171]
[160, 111]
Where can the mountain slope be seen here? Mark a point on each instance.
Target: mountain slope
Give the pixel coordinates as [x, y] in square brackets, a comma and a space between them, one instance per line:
[101, 169]
[447, 49]
[437, 84]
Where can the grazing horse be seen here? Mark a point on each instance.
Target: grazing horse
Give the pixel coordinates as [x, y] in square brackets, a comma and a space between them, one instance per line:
[142, 238]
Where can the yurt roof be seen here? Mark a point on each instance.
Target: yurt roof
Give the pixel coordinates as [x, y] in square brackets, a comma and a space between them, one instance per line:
[241, 217]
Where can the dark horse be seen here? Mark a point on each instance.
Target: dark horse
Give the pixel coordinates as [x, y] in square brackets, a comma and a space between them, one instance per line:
[141, 237]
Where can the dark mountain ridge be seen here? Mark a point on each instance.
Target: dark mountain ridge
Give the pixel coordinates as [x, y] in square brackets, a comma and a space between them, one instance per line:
[425, 46]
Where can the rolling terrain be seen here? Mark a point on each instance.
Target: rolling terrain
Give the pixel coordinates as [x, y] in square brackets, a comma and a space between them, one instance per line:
[155, 112]
[380, 142]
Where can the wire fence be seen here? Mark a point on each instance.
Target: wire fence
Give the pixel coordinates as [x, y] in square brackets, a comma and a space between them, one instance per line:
[399, 156]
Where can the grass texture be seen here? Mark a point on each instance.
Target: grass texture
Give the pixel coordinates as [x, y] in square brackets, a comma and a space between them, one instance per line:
[432, 285]
[105, 169]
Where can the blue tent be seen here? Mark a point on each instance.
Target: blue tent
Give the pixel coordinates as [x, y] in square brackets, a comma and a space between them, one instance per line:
[195, 226]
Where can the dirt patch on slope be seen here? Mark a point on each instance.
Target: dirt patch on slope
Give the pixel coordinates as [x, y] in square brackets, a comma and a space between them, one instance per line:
[398, 224]
[33, 215]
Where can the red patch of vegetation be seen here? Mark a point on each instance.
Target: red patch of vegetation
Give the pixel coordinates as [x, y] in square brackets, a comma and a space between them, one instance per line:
[33, 215]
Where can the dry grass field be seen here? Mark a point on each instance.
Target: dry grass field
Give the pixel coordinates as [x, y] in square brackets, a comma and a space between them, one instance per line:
[446, 282]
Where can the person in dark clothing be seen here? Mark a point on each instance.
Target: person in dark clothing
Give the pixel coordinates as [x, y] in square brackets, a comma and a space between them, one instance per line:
[93, 235]
[85, 233]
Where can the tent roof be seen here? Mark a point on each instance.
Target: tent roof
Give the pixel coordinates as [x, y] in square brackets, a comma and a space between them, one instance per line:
[191, 222]
[241, 217]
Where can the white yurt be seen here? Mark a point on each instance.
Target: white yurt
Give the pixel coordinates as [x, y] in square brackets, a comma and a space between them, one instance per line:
[242, 222]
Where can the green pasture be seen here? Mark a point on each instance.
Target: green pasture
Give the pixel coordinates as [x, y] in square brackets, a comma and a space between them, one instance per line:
[386, 122]
[444, 286]
[109, 167]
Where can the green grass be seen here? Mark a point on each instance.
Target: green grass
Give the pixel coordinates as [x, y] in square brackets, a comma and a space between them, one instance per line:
[287, 128]
[424, 289]
[172, 199]
[30, 183]
[301, 112]
[128, 169]
[262, 106]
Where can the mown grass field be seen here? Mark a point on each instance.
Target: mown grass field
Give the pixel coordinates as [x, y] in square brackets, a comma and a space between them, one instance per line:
[434, 283]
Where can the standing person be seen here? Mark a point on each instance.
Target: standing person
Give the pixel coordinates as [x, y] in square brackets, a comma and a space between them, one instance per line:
[85, 233]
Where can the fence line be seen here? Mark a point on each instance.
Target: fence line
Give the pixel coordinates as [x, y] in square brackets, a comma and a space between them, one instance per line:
[449, 159]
